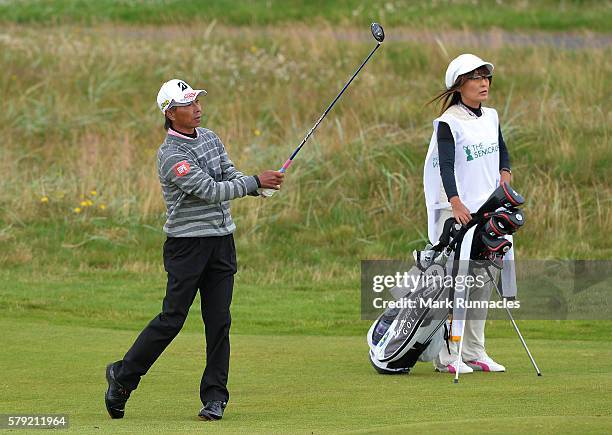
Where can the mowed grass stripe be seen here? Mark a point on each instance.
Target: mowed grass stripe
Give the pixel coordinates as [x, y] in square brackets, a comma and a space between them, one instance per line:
[128, 301]
[321, 384]
[503, 425]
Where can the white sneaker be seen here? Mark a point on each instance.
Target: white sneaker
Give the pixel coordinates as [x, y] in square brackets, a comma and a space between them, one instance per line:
[450, 368]
[485, 364]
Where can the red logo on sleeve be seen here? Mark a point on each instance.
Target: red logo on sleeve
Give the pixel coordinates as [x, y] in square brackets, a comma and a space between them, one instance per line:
[181, 168]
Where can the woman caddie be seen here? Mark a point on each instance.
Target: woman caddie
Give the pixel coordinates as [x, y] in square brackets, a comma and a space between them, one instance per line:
[467, 159]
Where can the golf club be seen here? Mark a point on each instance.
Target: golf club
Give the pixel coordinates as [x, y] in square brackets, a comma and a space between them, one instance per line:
[379, 35]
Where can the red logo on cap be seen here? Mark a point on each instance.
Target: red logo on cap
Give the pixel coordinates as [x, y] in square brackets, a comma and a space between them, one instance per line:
[181, 168]
[188, 95]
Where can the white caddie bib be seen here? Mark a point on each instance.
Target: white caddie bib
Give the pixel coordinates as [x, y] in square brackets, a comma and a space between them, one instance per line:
[476, 161]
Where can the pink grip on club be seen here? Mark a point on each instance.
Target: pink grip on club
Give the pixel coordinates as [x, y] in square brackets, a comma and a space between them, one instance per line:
[286, 165]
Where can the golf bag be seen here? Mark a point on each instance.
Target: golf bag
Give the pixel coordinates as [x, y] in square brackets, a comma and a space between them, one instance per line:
[417, 327]
[401, 335]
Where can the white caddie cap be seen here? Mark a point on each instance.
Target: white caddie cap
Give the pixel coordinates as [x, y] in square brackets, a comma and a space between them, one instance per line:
[463, 64]
[176, 93]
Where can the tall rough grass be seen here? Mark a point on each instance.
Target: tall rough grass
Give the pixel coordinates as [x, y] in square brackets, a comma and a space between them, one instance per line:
[565, 15]
[79, 115]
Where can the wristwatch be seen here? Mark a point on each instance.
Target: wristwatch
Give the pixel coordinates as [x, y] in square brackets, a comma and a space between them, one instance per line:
[507, 170]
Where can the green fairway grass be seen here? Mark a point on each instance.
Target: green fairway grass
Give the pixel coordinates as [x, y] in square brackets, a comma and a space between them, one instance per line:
[305, 384]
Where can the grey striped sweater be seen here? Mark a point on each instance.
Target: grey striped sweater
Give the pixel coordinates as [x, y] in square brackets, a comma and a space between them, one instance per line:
[198, 180]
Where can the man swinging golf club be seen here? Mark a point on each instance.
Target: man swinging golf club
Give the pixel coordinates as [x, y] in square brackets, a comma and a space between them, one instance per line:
[198, 180]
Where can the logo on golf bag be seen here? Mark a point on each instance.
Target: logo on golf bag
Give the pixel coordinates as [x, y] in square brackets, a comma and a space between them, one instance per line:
[181, 168]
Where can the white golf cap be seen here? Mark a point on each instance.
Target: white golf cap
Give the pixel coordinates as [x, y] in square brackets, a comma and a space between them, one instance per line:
[463, 64]
[176, 93]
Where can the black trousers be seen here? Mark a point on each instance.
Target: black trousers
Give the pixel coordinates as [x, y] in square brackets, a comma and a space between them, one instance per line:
[192, 263]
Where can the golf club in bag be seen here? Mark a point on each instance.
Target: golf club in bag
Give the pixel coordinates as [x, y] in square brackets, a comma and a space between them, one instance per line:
[379, 35]
[417, 330]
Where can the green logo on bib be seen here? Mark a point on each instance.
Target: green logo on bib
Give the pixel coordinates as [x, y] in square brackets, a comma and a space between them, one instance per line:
[468, 153]
[478, 150]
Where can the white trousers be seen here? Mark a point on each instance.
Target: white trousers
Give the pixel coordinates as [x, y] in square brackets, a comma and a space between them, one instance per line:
[473, 335]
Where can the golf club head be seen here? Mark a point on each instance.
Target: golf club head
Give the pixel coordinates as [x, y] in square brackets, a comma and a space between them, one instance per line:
[378, 32]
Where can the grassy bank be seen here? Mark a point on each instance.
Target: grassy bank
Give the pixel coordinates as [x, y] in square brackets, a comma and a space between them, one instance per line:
[81, 132]
[481, 14]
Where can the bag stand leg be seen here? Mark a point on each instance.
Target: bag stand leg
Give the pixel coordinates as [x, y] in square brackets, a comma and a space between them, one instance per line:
[535, 366]
[457, 365]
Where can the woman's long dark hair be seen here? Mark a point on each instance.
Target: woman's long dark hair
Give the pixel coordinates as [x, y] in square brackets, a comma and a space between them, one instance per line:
[452, 96]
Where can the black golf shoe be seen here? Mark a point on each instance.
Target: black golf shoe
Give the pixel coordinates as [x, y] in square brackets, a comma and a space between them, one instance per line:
[212, 410]
[116, 395]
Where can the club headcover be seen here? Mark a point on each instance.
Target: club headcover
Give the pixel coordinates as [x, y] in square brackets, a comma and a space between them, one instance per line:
[503, 222]
[495, 227]
[497, 245]
[503, 196]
